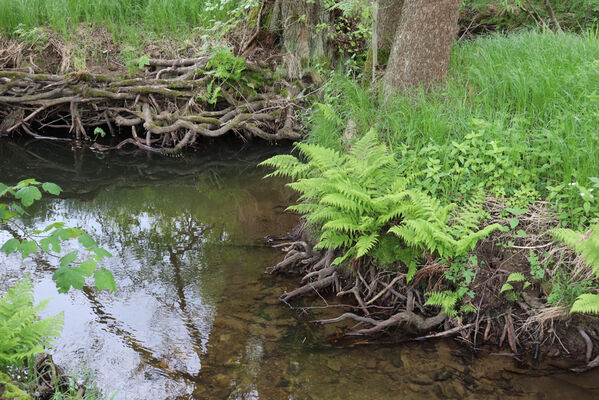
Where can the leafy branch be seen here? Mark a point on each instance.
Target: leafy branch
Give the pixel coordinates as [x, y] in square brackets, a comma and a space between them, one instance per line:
[75, 266]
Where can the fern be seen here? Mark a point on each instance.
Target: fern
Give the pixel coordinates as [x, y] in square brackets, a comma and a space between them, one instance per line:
[516, 277]
[362, 203]
[447, 300]
[586, 303]
[23, 333]
[587, 245]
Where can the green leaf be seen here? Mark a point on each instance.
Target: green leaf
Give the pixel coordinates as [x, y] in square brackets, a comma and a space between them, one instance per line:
[69, 258]
[3, 189]
[65, 277]
[28, 195]
[100, 131]
[5, 214]
[521, 233]
[54, 225]
[18, 209]
[506, 287]
[516, 277]
[104, 280]
[514, 222]
[87, 241]
[143, 61]
[26, 182]
[516, 210]
[52, 188]
[88, 267]
[101, 253]
[50, 243]
[10, 246]
[27, 247]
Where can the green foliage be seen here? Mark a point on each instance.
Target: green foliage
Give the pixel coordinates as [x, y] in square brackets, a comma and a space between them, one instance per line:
[586, 304]
[587, 245]
[23, 333]
[227, 71]
[511, 132]
[174, 16]
[447, 300]
[75, 266]
[8, 390]
[362, 202]
[512, 278]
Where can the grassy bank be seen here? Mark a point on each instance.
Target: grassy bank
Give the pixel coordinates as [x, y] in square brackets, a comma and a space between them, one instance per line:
[458, 194]
[123, 17]
[518, 115]
[81, 34]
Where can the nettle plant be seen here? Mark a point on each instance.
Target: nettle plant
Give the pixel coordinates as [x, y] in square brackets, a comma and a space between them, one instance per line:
[76, 266]
[362, 204]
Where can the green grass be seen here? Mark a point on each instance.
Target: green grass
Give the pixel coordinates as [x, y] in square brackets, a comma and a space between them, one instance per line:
[532, 101]
[124, 18]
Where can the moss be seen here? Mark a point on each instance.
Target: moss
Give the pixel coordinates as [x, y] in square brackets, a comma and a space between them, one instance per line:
[10, 391]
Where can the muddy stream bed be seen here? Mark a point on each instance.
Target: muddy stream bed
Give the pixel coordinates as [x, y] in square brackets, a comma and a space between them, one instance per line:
[195, 317]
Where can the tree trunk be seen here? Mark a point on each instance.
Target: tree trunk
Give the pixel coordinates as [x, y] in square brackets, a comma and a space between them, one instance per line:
[304, 26]
[389, 12]
[422, 45]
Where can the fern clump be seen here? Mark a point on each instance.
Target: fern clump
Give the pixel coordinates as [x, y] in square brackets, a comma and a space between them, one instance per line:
[587, 246]
[363, 203]
[23, 333]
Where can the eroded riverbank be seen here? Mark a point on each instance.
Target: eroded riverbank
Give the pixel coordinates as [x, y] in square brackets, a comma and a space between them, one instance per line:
[195, 317]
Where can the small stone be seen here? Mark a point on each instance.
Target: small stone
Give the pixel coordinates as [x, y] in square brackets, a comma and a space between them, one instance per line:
[421, 380]
[334, 364]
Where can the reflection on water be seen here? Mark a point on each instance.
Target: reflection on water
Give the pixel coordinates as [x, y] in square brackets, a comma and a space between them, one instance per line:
[194, 316]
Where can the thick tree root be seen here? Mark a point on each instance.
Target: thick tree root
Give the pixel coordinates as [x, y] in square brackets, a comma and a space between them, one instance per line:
[171, 107]
[384, 301]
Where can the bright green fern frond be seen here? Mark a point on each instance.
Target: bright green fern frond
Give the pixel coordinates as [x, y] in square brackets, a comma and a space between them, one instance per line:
[585, 244]
[516, 277]
[341, 201]
[321, 158]
[286, 165]
[342, 224]
[467, 242]
[447, 300]
[303, 208]
[365, 244]
[22, 333]
[586, 304]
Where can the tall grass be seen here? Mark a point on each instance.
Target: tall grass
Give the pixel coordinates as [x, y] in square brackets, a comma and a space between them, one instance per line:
[537, 92]
[157, 16]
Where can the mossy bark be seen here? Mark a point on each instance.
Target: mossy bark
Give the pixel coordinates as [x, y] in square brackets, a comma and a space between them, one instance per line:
[304, 27]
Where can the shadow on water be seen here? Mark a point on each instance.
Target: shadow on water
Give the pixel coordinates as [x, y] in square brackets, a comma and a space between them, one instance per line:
[194, 316]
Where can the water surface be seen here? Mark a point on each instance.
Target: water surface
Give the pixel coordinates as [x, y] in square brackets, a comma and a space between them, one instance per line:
[194, 316]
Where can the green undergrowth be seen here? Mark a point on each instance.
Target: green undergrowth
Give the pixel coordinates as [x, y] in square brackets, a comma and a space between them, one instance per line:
[501, 15]
[129, 28]
[517, 116]
[516, 122]
[158, 16]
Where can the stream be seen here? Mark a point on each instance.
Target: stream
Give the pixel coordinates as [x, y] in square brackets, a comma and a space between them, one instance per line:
[195, 317]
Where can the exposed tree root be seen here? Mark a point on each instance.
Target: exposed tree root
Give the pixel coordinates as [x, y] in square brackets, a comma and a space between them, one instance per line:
[171, 107]
[384, 301]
